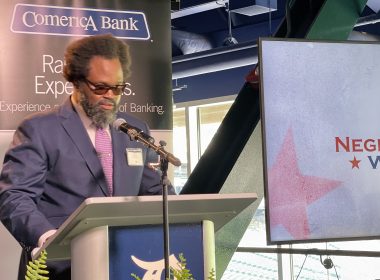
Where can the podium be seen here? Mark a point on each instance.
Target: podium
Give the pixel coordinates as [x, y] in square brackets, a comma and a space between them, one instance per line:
[108, 238]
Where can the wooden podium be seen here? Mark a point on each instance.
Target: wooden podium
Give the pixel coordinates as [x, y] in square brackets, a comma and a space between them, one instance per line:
[110, 238]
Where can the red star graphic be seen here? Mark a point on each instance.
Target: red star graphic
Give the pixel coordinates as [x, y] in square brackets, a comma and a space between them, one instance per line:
[290, 192]
[355, 163]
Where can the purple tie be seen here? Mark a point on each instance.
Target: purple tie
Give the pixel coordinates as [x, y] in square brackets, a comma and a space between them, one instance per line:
[103, 147]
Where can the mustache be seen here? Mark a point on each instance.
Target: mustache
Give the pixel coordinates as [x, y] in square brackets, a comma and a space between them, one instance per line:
[105, 101]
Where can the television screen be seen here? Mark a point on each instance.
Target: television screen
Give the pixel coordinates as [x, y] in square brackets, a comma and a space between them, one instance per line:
[320, 106]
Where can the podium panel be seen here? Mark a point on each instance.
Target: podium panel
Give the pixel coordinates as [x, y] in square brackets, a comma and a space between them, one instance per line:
[120, 251]
[140, 250]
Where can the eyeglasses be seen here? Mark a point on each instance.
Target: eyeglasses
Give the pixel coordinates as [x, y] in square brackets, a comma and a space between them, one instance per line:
[101, 89]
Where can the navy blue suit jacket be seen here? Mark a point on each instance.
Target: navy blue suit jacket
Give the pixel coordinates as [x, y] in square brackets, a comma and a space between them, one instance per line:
[52, 166]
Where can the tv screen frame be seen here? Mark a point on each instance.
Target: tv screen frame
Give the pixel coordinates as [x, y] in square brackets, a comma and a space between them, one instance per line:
[320, 155]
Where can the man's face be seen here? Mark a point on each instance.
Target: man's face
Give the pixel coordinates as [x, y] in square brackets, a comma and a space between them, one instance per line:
[103, 73]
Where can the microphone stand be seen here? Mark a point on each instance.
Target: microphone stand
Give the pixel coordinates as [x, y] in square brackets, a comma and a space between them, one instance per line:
[164, 182]
[165, 158]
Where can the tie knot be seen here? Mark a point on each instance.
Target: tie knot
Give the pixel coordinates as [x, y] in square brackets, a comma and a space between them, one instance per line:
[102, 138]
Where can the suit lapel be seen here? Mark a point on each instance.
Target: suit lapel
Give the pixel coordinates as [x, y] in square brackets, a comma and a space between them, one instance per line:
[124, 176]
[73, 125]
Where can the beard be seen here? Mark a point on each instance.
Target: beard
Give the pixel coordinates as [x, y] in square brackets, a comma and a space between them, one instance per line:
[100, 118]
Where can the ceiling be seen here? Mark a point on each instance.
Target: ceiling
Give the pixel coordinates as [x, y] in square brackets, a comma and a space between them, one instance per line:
[204, 25]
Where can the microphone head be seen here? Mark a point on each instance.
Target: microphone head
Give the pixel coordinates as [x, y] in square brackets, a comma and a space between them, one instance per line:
[117, 123]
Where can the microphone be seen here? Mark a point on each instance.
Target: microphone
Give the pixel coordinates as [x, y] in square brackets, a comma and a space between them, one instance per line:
[138, 135]
[132, 131]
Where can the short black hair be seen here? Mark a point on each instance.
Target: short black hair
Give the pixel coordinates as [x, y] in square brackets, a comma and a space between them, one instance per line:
[79, 53]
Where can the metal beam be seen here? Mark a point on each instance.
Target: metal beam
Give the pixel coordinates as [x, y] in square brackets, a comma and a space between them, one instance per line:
[199, 8]
[336, 19]
[312, 251]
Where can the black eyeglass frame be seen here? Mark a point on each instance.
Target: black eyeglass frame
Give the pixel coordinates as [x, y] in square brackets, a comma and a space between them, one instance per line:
[102, 89]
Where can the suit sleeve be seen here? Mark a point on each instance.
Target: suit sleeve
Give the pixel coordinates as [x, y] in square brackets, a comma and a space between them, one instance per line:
[21, 185]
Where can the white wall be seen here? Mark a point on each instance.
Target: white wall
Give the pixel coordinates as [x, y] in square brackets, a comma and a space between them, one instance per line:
[10, 250]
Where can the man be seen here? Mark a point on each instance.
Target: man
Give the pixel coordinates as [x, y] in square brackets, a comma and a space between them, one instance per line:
[60, 158]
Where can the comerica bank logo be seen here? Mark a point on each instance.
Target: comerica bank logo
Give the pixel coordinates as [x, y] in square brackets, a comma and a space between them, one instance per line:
[65, 21]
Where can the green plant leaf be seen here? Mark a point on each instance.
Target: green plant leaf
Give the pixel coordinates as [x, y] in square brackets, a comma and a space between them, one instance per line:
[37, 269]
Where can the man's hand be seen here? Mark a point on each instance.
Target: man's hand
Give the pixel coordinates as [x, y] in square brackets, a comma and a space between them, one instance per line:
[41, 241]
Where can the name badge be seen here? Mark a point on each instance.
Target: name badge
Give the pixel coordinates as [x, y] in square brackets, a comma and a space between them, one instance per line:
[134, 156]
